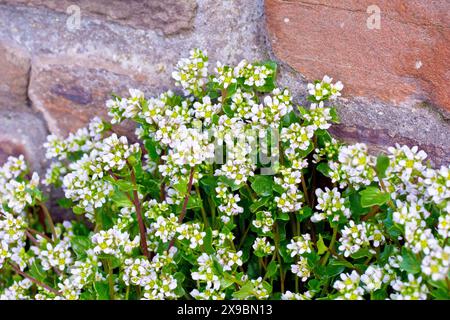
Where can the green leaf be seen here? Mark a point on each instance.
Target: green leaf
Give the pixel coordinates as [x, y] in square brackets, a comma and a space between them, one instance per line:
[272, 268]
[334, 115]
[231, 90]
[78, 210]
[334, 269]
[116, 262]
[278, 189]
[362, 253]
[152, 186]
[179, 276]
[289, 119]
[150, 146]
[409, 263]
[230, 183]
[393, 229]
[208, 184]
[269, 64]
[343, 263]
[123, 185]
[355, 205]
[304, 213]
[380, 294]
[258, 204]
[37, 272]
[324, 169]
[207, 242]
[321, 247]
[65, 203]
[226, 281]
[441, 284]
[263, 185]
[382, 165]
[228, 111]
[441, 294]
[217, 266]
[245, 291]
[314, 285]
[80, 244]
[193, 203]
[182, 185]
[102, 290]
[304, 153]
[121, 199]
[372, 196]
[387, 252]
[284, 216]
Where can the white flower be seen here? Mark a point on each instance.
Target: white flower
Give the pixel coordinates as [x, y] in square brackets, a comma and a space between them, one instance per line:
[436, 263]
[372, 278]
[300, 245]
[301, 269]
[263, 247]
[348, 286]
[331, 204]
[412, 289]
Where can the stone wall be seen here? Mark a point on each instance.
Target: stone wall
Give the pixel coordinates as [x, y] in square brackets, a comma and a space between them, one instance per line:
[54, 76]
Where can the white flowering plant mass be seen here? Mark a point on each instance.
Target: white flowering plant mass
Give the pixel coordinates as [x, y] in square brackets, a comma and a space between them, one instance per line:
[230, 191]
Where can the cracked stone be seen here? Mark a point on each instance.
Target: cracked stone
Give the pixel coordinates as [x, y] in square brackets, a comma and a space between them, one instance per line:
[338, 38]
[14, 72]
[23, 132]
[168, 17]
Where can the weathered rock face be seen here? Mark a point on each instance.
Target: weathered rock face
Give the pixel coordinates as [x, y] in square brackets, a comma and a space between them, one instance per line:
[14, 74]
[22, 131]
[169, 16]
[403, 58]
[69, 91]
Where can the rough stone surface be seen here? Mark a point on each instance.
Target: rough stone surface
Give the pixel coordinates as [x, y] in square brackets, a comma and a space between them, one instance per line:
[64, 76]
[69, 91]
[14, 74]
[404, 61]
[169, 16]
[73, 73]
[23, 132]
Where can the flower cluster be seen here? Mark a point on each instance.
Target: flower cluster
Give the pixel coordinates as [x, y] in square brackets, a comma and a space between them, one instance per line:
[229, 193]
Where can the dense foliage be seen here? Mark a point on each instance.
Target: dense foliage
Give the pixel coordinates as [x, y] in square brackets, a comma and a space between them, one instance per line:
[231, 192]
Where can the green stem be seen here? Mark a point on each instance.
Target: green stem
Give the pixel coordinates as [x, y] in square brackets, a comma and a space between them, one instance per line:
[212, 207]
[373, 211]
[244, 236]
[339, 257]
[384, 189]
[35, 281]
[202, 209]
[305, 192]
[250, 191]
[110, 279]
[185, 202]
[262, 265]
[277, 253]
[137, 205]
[330, 247]
[314, 178]
[32, 231]
[127, 293]
[49, 219]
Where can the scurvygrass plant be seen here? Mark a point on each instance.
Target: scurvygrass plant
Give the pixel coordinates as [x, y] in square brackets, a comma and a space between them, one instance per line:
[232, 192]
